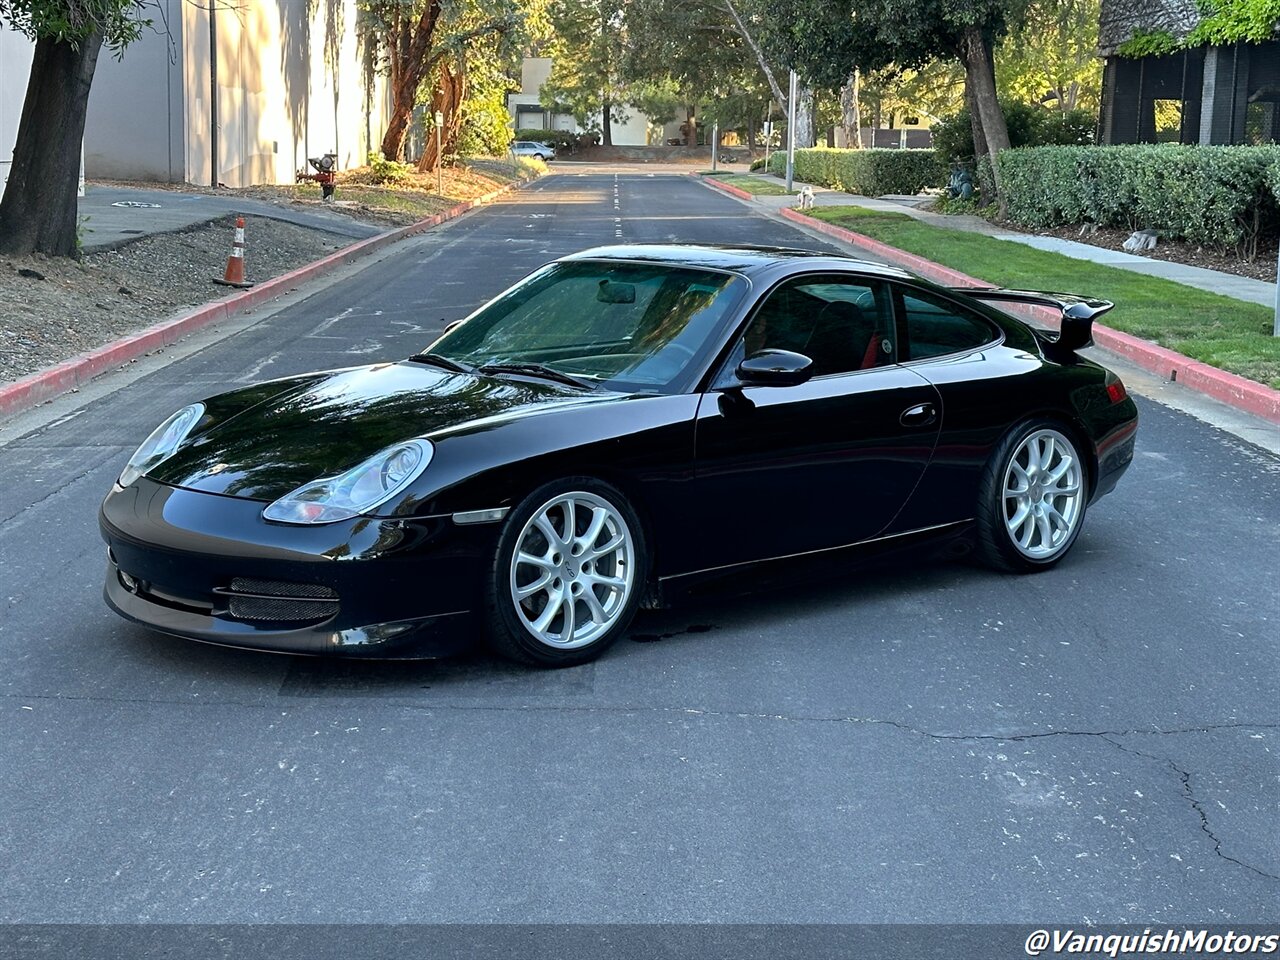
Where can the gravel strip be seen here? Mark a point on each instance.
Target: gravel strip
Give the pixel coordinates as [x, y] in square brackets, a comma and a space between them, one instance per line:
[52, 309]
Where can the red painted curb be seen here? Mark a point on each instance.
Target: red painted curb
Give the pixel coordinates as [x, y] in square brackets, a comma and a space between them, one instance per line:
[721, 185]
[51, 381]
[1229, 388]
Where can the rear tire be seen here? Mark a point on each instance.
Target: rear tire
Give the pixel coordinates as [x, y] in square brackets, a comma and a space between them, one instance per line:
[1031, 498]
[568, 574]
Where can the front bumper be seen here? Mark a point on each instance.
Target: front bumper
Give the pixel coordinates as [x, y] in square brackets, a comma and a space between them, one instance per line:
[208, 567]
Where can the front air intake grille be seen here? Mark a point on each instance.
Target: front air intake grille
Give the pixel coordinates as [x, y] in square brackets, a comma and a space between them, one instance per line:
[282, 588]
[252, 599]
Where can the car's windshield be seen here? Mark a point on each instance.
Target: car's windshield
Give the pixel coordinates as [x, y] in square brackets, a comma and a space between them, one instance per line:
[633, 326]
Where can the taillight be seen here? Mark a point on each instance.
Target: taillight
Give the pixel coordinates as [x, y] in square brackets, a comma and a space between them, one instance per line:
[1115, 389]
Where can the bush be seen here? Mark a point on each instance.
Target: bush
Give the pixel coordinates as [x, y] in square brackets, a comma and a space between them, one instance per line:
[564, 141]
[383, 171]
[870, 173]
[1030, 125]
[1220, 197]
[757, 164]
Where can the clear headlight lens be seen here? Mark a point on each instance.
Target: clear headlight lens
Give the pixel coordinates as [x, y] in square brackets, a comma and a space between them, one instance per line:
[357, 491]
[162, 444]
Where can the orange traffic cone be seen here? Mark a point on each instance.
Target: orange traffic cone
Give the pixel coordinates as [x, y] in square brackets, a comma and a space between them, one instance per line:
[234, 277]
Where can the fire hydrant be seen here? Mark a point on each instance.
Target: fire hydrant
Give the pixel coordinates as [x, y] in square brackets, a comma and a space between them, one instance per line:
[325, 175]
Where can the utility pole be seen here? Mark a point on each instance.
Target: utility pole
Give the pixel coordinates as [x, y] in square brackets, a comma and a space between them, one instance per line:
[791, 132]
[715, 144]
[213, 95]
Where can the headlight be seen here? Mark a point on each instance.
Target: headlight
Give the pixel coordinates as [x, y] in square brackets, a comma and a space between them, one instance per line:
[357, 491]
[162, 444]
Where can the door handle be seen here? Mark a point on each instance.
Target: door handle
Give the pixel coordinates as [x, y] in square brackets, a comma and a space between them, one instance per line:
[921, 415]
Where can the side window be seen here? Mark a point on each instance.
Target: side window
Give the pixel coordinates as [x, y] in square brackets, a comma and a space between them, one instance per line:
[937, 327]
[841, 324]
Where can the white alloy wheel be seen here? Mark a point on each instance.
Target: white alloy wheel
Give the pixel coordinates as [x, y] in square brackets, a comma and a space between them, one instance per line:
[1043, 495]
[573, 570]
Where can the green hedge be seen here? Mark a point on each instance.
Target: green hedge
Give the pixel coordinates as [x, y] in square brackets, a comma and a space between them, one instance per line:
[1221, 197]
[870, 173]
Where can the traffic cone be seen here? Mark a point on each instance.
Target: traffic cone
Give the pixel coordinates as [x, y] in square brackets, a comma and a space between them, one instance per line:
[234, 276]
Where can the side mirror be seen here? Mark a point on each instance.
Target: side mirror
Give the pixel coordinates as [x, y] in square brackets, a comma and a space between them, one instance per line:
[775, 368]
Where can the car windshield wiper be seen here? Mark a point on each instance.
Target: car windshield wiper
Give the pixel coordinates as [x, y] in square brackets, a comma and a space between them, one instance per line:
[441, 361]
[535, 370]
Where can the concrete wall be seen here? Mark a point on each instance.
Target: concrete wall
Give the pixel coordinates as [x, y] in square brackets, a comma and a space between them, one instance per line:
[291, 85]
[15, 68]
[136, 121]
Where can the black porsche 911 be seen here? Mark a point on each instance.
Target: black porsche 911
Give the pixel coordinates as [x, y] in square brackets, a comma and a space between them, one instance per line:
[621, 419]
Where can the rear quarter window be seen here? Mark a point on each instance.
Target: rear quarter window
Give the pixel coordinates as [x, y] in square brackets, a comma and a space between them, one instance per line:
[937, 327]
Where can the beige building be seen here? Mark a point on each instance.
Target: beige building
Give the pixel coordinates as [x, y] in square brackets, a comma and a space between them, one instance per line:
[528, 113]
[291, 84]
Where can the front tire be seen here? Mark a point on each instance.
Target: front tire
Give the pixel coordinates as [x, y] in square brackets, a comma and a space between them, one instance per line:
[567, 575]
[1031, 499]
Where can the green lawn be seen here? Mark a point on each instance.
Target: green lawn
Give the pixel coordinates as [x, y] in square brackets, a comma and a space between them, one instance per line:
[753, 185]
[1218, 330]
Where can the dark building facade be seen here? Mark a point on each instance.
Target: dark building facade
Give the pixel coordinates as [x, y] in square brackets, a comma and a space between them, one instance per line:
[1226, 94]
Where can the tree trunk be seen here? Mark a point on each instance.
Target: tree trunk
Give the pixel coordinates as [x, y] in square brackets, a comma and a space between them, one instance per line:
[851, 112]
[412, 46]
[606, 122]
[980, 80]
[774, 87]
[38, 212]
[447, 100]
[804, 118]
[980, 178]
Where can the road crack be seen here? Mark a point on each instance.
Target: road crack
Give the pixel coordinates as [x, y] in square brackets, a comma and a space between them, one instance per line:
[1184, 777]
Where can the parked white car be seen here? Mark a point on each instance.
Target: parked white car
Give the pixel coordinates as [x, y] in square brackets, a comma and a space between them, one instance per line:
[531, 148]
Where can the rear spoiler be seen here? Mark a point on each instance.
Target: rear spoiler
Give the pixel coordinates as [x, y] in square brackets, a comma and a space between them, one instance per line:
[1078, 313]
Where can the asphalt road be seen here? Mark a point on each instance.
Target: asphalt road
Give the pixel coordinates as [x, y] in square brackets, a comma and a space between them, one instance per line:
[921, 742]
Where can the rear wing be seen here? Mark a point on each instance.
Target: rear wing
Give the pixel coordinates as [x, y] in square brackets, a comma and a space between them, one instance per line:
[1077, 313]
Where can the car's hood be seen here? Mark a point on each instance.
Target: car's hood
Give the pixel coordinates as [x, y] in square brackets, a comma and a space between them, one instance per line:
[318, 427]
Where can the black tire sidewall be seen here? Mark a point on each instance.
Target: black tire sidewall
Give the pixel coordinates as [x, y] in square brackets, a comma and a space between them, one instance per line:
[507, 633]
[995, 545]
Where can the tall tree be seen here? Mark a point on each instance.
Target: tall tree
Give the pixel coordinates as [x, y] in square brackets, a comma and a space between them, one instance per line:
[825, 39]
[587, 63]
[403, 33]
[412, 38]
[38, 211]
[1052, 53]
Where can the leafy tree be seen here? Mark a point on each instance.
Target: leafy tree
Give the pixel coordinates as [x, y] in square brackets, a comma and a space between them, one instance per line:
[411, 39]
[587, 66]
[477, 46]
[702, 52]
[38, 211]
[827, 39]
[1052, 52]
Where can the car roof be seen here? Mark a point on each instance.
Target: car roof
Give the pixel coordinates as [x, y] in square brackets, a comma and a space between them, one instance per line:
[746, 259]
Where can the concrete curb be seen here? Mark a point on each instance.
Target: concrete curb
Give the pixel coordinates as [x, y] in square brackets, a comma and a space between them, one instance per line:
[52, 381]
[726, 187]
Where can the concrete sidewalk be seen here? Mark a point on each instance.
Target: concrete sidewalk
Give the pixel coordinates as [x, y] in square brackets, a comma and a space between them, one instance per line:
[113, 215]
[1212, 281]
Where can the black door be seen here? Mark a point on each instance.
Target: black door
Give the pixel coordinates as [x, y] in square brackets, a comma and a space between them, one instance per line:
[784, 470]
